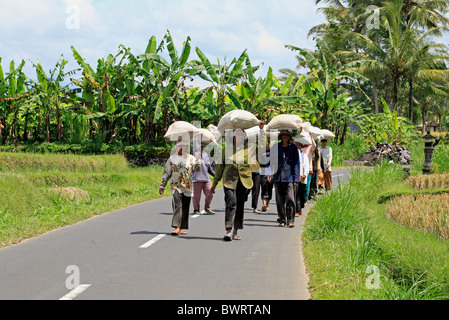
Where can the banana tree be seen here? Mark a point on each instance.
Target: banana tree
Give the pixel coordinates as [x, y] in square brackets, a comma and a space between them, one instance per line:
[266, 96]
[162, 82]
[389, 127]
[13, 93]
[223, 77]
[50, 92]
[99, 91]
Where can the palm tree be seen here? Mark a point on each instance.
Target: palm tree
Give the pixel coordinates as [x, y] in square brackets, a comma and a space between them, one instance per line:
[333, 77]
[403, 52]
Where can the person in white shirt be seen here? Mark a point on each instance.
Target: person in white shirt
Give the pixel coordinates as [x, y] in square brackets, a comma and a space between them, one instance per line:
[300, 194]
[326, 153]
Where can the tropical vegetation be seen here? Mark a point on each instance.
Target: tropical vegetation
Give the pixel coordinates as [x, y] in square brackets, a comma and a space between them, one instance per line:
[383, 79]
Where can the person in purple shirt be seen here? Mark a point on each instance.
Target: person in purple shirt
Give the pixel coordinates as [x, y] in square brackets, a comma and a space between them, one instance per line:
[202, 183]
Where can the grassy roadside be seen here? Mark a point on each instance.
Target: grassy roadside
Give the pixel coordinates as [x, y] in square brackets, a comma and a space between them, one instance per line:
[43, 192]
[353, 251]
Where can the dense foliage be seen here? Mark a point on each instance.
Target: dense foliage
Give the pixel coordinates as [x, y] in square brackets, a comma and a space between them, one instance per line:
[382, 79]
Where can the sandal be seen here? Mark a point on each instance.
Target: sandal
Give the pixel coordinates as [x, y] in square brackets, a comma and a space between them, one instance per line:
[209, 212]
[182, 232]
[175, 233]
[291, 225]
[281, 224]
[236, 237]
[227, 237]
[196, 212]
[256, 211]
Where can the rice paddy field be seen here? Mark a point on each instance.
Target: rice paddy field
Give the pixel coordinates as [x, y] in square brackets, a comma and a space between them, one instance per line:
[424, 212]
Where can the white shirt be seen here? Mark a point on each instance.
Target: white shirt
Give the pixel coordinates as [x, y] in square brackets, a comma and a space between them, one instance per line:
[304, 166]
[326, 153]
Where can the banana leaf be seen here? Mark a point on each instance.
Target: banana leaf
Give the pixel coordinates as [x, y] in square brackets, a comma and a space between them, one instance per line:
[209, 68]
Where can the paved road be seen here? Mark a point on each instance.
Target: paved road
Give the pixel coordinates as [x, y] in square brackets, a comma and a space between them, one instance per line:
[130, 254]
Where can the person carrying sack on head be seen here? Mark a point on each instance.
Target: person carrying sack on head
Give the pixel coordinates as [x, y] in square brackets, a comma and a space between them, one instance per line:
[284, 159]
[326, 154]
[202, 183]
[235, 170]
[178, 171]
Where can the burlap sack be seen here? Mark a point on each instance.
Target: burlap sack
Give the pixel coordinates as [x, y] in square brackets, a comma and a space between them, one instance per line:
[327, 135]
[181, 131]
[206, 137]
[288, 122]
[303, 138]
[315, 132]
[237, 119]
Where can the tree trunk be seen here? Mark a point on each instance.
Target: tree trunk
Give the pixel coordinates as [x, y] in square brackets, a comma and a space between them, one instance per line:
[376, 98]
[424, 115]
[343, 135]
[410, 97]
[58, 120]
[47, 126]
[395, 94]
[25, 129]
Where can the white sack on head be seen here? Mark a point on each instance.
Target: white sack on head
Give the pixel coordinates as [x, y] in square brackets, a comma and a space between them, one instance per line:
[285, 122]
[206, 137]
[214, 130]
[306, 126]
[316, 132]
[254, 132]
[303, 138]
[237, 119]
[181, 131]
[327, 135]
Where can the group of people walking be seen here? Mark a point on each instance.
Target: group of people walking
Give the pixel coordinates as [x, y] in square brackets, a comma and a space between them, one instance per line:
[296, 171]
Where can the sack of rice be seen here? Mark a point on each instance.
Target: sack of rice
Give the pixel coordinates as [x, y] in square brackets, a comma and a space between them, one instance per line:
[237, 119]
[288, 122]
[303, 138]
[316, 132]
[318, 138]
[254, 132]
[214, 130]
[206, 137]
[181, 131]
[327, 135]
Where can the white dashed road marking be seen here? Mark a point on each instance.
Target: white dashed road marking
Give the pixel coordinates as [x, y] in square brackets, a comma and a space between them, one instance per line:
[75, 292]
[152, 241]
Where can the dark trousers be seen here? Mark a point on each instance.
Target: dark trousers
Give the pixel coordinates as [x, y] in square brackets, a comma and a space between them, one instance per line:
[300, 196]
[285, 201]
[181, 206]
[313, 184]
[235, 206]
[255, 191]
[267, 188]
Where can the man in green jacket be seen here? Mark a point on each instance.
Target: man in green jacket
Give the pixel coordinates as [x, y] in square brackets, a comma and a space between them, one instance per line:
[235, 170]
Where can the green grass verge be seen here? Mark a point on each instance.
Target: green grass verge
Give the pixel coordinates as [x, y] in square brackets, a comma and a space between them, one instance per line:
[30, 206]
[353, 251]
